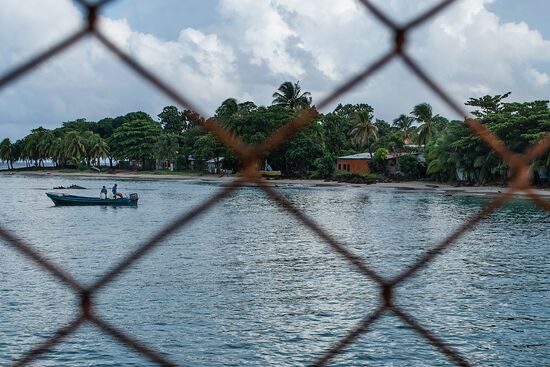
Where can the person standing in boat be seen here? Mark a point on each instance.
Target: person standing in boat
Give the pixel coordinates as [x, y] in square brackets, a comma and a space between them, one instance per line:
[115, 193]
[103, 194]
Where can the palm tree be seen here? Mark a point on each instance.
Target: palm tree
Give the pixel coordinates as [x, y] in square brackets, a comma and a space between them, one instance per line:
[228, 108]
[404, 124]
[167, 148]
[289, 95]
[423, 114]
[57, 152]
[364, 132]
[30, 149]
[26, 146]
[7, 152]
[73, 147]
[45, 145]
[99, 150]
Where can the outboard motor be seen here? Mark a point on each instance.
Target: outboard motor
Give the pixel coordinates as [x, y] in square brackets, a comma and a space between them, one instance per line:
[134, 197]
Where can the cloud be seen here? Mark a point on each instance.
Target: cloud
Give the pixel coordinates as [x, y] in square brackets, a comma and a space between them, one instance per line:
[469, 46]
[251, 46]
[539, 79]
[196, 63]
[88, 81]
[265, 35]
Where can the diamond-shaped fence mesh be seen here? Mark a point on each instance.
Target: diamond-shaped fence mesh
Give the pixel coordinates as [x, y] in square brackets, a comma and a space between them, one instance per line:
[250, 156]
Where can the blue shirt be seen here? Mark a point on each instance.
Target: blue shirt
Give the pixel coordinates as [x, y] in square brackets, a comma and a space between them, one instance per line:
[114, 190]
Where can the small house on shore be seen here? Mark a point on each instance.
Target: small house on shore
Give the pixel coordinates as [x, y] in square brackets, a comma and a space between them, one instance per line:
[355, 163]
[359, 163]
[214, 165]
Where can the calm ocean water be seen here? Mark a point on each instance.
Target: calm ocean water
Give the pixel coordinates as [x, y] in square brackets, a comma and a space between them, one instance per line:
[246, 284]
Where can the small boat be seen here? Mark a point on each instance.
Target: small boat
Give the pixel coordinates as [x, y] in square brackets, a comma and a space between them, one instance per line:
[268, 171]
[65, 199]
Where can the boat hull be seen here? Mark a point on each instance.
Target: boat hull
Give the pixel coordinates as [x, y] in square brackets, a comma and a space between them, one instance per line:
[73, 200]
[270, 173]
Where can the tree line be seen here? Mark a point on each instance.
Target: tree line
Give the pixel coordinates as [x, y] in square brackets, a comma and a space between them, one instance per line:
[450, 148]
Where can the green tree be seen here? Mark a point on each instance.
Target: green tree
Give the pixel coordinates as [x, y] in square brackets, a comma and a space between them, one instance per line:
[78, 125]
[379, 160]
[290, 95]
[228, 108]
[458, 150]
[364, 132]
[209, 147]
[336, 134]
[302, 150]
[99, 149]
[348, 111]
[325, 166]
[46, 145]
[381, 154]
[405, 124]
[74, 149]
[167, 148]
[423, 114]
[104, 127]
[30, 147]
[487, 104]
[410, 167]
[131, 116]
[57, 152]
[7, 152]
[187, 143]
[172, 120]
[135, 140]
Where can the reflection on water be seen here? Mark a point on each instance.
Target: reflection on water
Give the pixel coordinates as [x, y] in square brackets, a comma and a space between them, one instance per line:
[247, 284]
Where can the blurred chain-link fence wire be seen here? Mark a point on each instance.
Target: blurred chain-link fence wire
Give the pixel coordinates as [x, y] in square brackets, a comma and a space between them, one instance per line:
[251, 156]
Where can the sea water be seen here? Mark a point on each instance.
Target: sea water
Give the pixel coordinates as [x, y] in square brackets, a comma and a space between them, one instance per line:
[248, 284]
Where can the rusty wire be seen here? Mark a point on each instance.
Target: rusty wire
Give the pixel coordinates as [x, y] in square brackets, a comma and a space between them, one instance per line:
[519, 164]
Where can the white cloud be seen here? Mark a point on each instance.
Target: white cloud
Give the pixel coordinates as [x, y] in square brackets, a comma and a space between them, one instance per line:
[251, 46]
[469, 47]
[88, 81]
[539, 79]
[265, 35]
[27, 26]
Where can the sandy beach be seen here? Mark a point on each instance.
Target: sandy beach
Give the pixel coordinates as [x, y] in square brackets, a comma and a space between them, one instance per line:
[405, 185]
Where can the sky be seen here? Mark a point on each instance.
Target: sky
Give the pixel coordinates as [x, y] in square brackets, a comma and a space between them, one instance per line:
[210, 50]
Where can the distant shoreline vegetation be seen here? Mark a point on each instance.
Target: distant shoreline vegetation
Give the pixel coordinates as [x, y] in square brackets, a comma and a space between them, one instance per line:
[450, 151]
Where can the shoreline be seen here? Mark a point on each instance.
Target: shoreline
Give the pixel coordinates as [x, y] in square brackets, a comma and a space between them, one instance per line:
[405, 186]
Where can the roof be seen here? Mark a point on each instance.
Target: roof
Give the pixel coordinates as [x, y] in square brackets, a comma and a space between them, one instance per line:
[391, 155]
[356, 156]
[215, 160]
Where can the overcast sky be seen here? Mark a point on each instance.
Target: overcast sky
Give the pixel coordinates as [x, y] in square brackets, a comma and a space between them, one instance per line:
[214, 49]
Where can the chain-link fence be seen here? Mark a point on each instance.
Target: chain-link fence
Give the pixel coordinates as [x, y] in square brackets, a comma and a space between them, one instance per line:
[251, 156]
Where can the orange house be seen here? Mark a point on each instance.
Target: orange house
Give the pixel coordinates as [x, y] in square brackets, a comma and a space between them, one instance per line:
[356, 163]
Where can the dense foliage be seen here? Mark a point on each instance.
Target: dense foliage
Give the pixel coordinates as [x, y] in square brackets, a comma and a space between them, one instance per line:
[459, 154]
[449, 151]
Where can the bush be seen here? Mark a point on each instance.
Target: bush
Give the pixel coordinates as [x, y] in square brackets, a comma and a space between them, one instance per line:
[381, 154]
[378, 163]
[357, 178]
[410, 167]
[325, 166]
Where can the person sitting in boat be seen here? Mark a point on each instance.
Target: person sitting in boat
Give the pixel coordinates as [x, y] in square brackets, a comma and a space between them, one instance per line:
[103, 194]
[115, 193]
